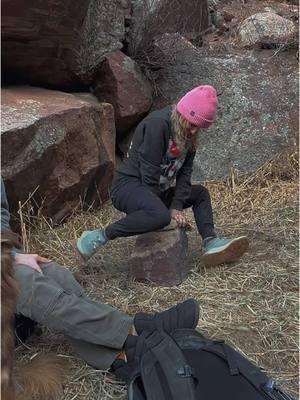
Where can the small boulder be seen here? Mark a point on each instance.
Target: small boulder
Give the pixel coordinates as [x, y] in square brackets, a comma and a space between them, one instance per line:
[121, 83]
[267, 29]
[160, 258]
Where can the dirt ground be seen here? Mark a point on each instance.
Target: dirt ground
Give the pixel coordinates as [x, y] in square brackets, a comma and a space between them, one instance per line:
[253, 304]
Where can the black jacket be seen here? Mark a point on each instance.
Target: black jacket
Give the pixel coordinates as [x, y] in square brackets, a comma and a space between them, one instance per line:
[146, 154]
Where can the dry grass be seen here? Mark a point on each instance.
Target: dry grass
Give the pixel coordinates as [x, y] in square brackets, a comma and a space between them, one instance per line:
[253, 304]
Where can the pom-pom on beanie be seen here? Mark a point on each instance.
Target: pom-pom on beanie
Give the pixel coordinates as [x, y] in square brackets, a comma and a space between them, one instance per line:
[199, 106]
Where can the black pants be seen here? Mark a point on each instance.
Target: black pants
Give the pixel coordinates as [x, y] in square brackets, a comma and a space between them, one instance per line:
[147, 212]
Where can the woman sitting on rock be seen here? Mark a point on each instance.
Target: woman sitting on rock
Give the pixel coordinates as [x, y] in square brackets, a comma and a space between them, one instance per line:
[153, 185]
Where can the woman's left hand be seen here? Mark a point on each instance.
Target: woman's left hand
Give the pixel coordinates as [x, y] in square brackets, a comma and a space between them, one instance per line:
[31, 260]
[178, 217]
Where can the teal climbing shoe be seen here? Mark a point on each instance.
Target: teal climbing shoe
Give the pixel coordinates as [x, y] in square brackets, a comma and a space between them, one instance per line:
[90, 241]
[218, 251]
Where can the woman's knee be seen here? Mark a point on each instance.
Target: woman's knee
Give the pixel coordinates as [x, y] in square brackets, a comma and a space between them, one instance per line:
[36, 292]
[63, 277]
[201, 193]
[161, 218]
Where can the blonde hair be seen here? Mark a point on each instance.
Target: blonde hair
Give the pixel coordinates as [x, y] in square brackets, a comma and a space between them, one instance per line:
[179, 128]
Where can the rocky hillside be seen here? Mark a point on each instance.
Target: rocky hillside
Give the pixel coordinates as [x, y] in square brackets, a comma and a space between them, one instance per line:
[78, 78]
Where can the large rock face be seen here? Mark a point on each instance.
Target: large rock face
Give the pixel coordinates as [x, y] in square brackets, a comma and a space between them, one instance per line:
[258, 107]
[121, 83]
[58, 146]
[59, 43]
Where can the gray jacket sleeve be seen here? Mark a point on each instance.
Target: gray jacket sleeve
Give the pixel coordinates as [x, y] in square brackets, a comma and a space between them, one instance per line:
[5, 215]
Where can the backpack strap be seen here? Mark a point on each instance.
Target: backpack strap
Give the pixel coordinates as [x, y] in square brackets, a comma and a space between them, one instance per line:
[179, 382]
[237, 363]
[229, 354]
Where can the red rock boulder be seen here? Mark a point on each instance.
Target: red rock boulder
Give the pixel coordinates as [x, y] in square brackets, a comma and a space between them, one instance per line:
[59, 43]
[160, 258]
[121, 83]
[56, 146]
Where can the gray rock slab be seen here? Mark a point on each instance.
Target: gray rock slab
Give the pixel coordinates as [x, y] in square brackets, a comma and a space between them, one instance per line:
[258, 107]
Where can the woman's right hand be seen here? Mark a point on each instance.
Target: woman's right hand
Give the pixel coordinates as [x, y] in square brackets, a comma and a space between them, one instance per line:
[178, 216]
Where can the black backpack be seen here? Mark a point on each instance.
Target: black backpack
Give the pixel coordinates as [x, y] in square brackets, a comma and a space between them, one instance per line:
[188, 366]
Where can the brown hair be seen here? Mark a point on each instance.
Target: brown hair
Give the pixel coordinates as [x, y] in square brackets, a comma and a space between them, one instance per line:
[9, 294]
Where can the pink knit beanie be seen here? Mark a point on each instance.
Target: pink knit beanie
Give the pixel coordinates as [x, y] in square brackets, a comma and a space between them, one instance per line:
[199, 106]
